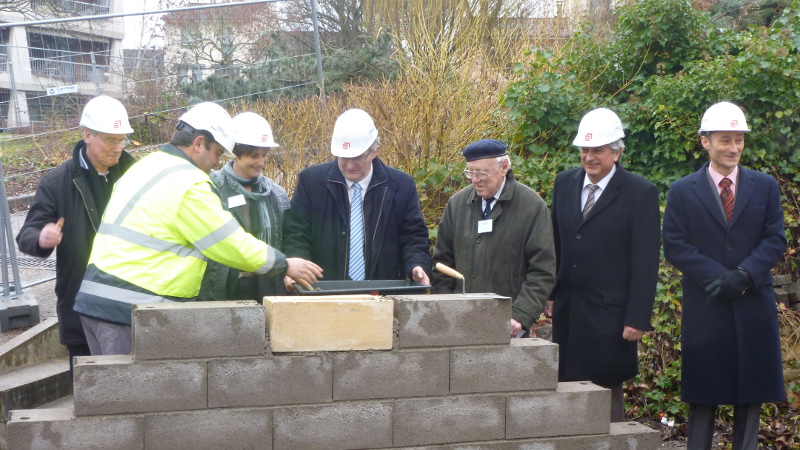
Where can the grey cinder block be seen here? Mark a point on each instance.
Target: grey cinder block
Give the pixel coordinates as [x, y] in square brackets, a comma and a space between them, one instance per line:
[525, 365]
[428, 421]
[781, 296]
[397, 374]
[340, 425]
[274, 380]
[575, 408]
[58, 428]
[781, 279]
[229, 429]
[198, 330]
[451, 319]
[116, 385]
[793, 291]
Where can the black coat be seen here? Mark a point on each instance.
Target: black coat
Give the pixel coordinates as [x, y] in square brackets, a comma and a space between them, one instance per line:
[607, 274]
[731, 349]
[64, 192]
[316, 227]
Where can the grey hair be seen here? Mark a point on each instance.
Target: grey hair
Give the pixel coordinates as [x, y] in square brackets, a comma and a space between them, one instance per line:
[616, 146]
[500, 159]
[375, 144]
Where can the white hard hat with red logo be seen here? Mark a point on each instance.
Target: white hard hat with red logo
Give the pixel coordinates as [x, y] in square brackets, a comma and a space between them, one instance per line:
[252, 129]
[723, 116]
[353, 133]
[106, 115]
[214, 119]
[599, 127]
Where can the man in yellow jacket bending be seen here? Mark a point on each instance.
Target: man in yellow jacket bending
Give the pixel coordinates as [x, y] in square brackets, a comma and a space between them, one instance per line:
[162, 224]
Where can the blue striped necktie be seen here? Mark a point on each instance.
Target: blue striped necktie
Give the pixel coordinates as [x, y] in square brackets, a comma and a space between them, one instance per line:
[356, 266]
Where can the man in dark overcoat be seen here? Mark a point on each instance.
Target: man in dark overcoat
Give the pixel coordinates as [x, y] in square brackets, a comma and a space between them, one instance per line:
[381, 235]
[606, 224]
[723, 229]
[68, 205]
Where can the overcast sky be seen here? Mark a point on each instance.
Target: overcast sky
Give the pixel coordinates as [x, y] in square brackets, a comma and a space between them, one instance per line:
[135, 37]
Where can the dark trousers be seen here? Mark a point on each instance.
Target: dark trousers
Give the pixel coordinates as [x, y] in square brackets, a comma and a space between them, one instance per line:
[745, 426]
[617, 401]
[77, 350]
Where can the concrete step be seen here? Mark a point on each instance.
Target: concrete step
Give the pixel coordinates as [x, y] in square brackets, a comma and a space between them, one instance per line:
[34, 369]
[34, 385]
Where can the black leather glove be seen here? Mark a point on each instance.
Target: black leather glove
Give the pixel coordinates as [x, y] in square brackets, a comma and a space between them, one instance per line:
[731, 285]
[713, 288]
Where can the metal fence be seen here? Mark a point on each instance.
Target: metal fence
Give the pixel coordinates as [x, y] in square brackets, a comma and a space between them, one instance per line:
[71, 6]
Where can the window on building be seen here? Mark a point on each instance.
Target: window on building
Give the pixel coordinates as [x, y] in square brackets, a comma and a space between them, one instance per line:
[73, 7]
[68, 59]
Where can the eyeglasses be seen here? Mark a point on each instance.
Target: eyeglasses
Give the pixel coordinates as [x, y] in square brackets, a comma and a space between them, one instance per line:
[481, 174]
[113, 142]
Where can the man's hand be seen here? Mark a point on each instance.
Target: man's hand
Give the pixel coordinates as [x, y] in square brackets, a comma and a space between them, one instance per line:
[515, 327]
[731, 285]
[51, 234]
[632, 334]
[302, 269]
[418, 274]
[548, 309]
[288, 283]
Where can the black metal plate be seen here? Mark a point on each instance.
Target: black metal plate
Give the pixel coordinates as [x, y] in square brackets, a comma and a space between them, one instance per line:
[378, 287]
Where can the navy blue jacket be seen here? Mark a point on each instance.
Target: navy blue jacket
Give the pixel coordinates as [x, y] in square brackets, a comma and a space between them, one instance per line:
[731, 349]
[316, 227]
[607, 274]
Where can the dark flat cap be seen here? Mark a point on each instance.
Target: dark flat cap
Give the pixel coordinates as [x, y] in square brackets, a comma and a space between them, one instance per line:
[485, 148]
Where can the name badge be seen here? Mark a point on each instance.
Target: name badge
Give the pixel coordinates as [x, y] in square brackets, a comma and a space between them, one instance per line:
[236, 200]
[485, 226]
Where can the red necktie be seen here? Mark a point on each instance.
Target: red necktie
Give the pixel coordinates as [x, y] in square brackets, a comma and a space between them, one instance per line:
[726, 196]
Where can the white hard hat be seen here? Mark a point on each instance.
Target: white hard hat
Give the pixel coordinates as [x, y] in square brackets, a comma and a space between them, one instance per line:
[252, 129]
[723, 116]
[353, 133]
[599, 127]
[106, 115]
[213, 118]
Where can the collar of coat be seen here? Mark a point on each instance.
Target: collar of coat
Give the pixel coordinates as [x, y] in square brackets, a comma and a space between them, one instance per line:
[378, 173]
[125, 160]
[708, 195]
[506, 195]
[615, 182]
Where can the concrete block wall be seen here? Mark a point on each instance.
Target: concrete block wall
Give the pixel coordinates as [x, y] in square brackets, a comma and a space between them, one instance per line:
[203, 376]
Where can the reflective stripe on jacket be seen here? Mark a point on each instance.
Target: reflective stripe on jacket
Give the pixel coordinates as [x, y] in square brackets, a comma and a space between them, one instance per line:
[161, 226]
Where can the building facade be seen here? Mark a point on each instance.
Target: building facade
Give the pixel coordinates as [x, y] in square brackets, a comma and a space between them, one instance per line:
[47, 68]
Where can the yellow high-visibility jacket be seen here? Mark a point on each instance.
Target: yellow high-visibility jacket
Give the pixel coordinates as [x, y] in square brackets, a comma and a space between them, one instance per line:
[162, 224]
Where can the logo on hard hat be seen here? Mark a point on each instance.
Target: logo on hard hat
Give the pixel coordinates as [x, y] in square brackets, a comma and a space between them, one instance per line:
[345, 146]
[117, 123]
[588, 137]
[264, 138]
[734, 123]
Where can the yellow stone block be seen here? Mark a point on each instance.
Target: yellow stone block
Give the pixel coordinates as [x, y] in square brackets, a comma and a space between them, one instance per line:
[329, 323]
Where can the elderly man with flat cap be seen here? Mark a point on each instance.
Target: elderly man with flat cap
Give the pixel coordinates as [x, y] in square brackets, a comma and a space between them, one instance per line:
[498, 234]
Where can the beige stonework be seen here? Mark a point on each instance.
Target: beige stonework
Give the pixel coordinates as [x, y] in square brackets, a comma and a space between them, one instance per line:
[329, 323]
